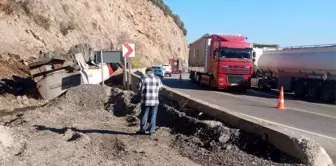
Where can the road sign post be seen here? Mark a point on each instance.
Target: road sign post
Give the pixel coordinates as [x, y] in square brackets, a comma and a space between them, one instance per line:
[129, 61]
[128, 53]
[101, 68]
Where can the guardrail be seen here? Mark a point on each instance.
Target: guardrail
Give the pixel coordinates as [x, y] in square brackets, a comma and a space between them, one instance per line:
[306, 150]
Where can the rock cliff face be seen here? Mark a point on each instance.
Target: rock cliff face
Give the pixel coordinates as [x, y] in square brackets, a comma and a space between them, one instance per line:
[31, 26]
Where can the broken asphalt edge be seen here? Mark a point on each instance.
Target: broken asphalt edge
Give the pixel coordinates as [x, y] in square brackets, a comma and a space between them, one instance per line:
[306, 150]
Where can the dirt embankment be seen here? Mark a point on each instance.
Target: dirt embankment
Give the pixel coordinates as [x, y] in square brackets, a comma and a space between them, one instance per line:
[31, 26]
[94, 125]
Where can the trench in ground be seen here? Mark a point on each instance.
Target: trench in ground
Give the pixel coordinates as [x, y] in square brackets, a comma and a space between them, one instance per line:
[192, 128]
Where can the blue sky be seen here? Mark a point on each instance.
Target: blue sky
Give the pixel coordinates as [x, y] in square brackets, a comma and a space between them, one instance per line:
[284, 22]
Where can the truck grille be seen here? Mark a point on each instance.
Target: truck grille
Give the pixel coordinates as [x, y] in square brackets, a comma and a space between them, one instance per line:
[236, 70]
[235, 79]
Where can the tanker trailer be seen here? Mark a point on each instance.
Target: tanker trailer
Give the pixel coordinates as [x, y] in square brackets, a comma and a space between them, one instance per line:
[308, 71]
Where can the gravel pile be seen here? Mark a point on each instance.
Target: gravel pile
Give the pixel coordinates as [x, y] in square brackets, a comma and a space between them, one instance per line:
[123, 103]
[89, 96]
[11, 143]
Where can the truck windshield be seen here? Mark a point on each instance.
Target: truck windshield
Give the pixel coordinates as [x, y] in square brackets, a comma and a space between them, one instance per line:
[156, 68]
[235, 53]
[175, 64]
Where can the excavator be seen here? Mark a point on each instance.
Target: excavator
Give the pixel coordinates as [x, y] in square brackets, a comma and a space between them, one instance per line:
[54, 73]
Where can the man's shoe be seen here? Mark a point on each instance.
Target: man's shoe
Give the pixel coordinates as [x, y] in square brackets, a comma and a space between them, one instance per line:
[151, 133]
[140, 132]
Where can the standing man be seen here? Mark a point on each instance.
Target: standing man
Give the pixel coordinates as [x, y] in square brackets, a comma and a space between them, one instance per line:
[149, 86]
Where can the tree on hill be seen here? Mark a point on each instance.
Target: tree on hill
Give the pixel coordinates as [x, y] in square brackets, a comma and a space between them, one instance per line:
[168, 12]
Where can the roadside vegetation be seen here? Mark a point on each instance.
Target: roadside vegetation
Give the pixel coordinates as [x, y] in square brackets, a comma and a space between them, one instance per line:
[168, 12]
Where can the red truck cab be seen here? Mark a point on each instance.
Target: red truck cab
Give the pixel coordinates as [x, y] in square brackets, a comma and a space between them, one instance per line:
[176, 65]
[227, 61]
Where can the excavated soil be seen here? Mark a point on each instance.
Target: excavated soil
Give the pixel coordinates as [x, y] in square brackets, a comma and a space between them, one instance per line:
[94, 125]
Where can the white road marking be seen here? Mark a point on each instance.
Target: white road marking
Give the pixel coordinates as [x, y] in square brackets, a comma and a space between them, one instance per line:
[274, 123]
[303, 102]
[309, 132]
[290, 108]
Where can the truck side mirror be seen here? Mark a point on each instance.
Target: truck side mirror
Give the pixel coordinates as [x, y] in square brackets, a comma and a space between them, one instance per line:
[254, 55]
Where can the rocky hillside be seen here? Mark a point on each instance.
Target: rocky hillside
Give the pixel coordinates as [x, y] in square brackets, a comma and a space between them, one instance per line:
[31, 26]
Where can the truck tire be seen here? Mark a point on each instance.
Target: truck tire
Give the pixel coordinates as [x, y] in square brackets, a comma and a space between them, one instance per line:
[241, 89]
[197, 77]
[262, 86]
[199, 81]
[299, 89]
[313, 91]
[328, 93]
[212, 84]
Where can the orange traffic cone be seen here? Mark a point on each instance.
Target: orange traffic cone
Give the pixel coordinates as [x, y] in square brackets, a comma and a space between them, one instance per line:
[281, 101]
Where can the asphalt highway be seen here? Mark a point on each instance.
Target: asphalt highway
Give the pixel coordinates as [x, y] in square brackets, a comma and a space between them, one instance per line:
[301, 118]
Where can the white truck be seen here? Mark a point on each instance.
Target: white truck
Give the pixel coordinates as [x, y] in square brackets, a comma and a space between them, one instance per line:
[54, 74]
[168, 69]
[308, 71]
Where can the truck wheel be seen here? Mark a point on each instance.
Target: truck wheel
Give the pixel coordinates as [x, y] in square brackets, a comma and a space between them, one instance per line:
[199, 79]
[212, 84]
[328, 93]
[242, 89]
[313, 91]
[299, 89]
[262, 86]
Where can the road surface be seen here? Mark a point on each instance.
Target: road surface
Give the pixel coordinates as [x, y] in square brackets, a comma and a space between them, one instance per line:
[313, 120]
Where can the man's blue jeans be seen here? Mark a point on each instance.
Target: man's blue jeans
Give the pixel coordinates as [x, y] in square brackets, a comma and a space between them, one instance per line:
[145, 111]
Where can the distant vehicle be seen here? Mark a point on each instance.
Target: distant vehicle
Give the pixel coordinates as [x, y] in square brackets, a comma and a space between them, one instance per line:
[168, 70]
[158, 71]
[176, 65]
[221, 61]
[308, 71]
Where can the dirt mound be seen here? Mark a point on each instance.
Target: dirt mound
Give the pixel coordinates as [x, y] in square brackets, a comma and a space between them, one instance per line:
[205, 141]
[11, 143]
[61, 133]
[12, 65]
[90, 96]
[123, 103]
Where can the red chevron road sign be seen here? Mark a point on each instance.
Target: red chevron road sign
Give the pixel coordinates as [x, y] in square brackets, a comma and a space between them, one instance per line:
[128, 50]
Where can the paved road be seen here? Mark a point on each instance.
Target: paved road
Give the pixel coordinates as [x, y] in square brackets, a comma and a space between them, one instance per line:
[313, 120]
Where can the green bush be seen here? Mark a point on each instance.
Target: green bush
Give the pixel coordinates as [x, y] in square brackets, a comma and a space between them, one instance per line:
[168, 12]
[136, 62]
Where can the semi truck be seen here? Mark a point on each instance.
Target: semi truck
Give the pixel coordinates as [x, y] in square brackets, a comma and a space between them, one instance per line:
[307, 71]
[176, 65]
[221, 61]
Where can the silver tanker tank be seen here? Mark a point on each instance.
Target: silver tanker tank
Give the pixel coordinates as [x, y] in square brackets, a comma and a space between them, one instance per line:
[308, 60]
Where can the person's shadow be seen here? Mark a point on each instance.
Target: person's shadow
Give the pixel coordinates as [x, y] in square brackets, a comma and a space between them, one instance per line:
[89, 131]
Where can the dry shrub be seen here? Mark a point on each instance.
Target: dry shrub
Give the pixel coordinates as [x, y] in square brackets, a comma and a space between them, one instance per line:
[66, 8]
[9, 7]
[66, 27]
[42, 21]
